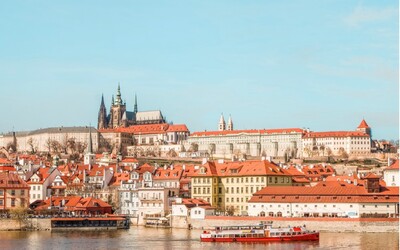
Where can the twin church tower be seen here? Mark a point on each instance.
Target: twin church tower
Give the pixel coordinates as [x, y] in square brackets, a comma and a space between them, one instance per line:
[120, 117]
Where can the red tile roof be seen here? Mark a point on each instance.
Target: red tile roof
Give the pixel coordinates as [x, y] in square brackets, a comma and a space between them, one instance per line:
[168, 174]
[11, 180]
[245, 168]
[371, 176]
[4, 161]
[335, 134]
[195, 203]
[339, 192]
[129, 160]
[252, 131]
[394, 166]
[363, 124]
[148, 129]
[177, 128]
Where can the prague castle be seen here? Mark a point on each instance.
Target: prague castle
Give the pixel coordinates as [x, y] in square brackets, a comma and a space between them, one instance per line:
[120, 117]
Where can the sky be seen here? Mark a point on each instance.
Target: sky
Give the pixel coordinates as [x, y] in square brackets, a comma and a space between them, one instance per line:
[322, 65]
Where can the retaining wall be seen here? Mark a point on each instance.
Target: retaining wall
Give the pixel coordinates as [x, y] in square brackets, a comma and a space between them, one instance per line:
[318, 224]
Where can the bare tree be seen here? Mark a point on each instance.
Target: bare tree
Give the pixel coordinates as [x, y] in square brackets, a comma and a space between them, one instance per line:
[48, 144]
[71, 145]
[55, 146]
[31, 145]
[81, 147]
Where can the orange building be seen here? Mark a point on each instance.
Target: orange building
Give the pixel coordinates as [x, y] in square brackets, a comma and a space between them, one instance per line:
[14, 192]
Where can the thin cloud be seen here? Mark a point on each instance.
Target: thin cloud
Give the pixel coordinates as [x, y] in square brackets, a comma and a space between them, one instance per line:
[362, 15]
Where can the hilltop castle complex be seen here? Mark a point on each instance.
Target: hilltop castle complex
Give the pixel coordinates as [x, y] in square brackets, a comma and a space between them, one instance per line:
[120, 117]
[145, 133]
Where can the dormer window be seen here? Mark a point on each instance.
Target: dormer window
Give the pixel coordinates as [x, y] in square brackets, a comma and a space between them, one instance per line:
[202, 170]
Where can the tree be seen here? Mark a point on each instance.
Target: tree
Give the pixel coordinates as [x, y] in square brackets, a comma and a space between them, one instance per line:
[80, 147]
[71, 145]
[31, 145]
[230, 210]
[171, 153]
[48, 144]
[343, 153]
[64, 144]
[19, 214]
[55, 146]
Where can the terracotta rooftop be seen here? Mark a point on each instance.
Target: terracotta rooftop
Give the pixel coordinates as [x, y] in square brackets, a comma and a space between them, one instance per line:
[363, 124]
[11, 180]
[335, 134]
[394, 166]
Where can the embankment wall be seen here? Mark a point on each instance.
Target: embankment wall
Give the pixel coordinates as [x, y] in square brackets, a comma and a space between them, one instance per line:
[318, 224]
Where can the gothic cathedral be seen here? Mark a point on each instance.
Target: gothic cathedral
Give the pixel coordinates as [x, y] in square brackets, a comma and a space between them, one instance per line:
[119, 117]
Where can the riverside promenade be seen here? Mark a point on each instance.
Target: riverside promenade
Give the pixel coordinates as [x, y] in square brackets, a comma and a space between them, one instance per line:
[325, 224]
[322, 224]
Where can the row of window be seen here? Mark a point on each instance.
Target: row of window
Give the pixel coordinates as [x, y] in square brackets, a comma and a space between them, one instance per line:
[12, 192]
[13, 202]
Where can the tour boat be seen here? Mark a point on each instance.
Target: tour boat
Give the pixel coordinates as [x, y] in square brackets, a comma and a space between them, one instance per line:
[258, 233]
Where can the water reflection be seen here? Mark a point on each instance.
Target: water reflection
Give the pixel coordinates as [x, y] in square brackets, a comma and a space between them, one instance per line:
[149, 238]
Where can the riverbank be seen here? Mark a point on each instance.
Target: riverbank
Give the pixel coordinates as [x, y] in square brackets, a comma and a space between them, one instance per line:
[358, 225]
[326, 224]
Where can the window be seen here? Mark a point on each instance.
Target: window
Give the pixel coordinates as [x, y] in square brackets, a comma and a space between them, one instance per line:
[13, 202]
[12, 192]
[1, 202]
[1, 192]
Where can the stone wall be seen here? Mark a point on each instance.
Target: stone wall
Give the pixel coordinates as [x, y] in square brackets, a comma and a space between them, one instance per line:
[28, 224]
[318, 224]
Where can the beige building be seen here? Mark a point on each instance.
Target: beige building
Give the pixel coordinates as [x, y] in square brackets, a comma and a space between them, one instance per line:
[333, 199]
[237, 143]
[338, 143]
[229, 185]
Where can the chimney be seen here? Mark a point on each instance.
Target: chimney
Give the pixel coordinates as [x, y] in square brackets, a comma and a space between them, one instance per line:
[184, 167]
[204, 161]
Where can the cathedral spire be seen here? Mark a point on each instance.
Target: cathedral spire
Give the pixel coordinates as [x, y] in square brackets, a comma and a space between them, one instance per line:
[90, 143]
[221, 124]
[118, 100]
[112, 100]
[102, 117]
[102, 100]
[135, 107]
[230, 123]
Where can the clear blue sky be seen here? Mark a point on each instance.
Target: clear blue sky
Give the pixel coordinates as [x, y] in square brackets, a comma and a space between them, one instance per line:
[324, 65]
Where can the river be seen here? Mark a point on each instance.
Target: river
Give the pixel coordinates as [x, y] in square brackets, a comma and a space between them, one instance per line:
[150, 238]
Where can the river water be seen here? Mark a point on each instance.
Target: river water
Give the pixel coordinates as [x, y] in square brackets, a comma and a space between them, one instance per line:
[151, 238]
